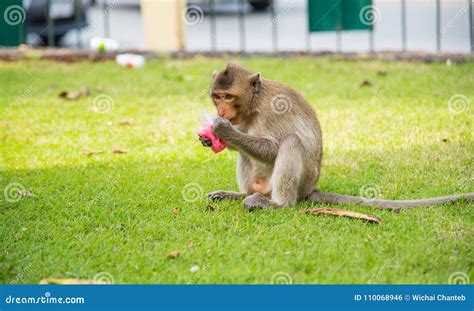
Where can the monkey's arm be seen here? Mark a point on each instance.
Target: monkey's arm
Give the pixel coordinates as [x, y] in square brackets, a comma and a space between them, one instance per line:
[261, 149]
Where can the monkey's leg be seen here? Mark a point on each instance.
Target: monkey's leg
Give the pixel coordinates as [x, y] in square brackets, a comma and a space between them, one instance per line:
[287, 172]
[244, 174]
[257, 200]
[285, 178]
[244, 169]
[221, 195]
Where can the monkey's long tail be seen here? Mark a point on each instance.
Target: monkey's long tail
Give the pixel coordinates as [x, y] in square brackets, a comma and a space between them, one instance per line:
[395, 205]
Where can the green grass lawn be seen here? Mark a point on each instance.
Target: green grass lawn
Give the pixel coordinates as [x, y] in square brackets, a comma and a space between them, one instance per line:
[120, 215]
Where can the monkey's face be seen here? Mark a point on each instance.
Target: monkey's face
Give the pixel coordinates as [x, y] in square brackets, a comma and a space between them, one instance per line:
[232, 91]
[227, 105]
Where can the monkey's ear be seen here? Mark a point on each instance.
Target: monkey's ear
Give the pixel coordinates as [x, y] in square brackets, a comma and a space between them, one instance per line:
[256, 81]
[214, 73]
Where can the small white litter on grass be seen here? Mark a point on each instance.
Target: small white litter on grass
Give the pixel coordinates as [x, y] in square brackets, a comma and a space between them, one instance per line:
[194, 269]
[130, 60]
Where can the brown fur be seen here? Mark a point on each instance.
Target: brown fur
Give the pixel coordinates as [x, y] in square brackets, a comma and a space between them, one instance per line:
[280, 151]
[279, 140]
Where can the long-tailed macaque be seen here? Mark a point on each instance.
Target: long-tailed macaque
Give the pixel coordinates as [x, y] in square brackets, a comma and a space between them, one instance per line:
[279, 140]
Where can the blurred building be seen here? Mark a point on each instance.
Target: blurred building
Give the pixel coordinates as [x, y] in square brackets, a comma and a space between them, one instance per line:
[282, 25]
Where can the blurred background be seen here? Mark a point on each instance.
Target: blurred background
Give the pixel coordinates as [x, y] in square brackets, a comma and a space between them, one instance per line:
[247, 25]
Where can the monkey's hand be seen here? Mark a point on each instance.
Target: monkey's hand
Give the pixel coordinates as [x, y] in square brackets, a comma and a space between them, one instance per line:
[222, 128]
[206, 142]
[209, 139]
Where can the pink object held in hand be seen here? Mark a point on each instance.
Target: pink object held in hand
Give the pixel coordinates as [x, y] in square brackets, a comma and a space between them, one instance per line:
[217, 144]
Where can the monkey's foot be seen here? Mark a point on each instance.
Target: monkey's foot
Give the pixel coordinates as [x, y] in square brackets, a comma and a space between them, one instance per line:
[221, 195]
[257, 200]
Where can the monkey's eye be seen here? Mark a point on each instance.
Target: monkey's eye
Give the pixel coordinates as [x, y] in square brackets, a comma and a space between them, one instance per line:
[216, 97]
[228, 97]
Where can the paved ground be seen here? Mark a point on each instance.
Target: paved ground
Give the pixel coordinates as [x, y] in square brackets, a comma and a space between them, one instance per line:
[126, 26]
